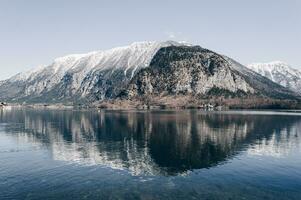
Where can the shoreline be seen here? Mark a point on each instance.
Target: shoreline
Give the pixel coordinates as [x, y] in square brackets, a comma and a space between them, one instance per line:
[178, 102]
[151, 108]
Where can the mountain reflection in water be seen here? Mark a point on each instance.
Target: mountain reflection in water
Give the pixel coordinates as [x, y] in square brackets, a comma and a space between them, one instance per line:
[151, 142]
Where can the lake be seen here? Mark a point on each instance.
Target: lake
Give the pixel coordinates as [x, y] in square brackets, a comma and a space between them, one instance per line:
[188, 154]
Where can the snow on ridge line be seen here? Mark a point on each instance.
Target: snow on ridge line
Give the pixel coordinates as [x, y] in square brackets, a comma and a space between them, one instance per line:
[22, 76]
[276, 62]
[130, 46]
[91, 59]
[274, 65]
[279, 72]
[269, 66]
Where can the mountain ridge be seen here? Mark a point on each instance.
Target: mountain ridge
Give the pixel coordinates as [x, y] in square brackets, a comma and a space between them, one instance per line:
[279, 72]
[80, 66]
[170, 69]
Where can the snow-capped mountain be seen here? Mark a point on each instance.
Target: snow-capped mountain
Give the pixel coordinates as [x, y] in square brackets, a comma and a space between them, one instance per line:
[142, 68]
[280, 73]
[80, 75]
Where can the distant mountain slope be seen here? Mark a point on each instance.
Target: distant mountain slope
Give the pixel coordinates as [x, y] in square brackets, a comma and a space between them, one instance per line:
[280, 73]
[138, 70]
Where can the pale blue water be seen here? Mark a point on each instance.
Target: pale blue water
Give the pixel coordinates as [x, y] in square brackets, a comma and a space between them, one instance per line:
[149, 155]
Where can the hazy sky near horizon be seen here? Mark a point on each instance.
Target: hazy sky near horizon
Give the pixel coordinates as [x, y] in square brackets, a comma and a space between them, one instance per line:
[34, 32]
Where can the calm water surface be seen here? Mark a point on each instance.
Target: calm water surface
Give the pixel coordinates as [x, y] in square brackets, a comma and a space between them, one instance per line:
[149, 155]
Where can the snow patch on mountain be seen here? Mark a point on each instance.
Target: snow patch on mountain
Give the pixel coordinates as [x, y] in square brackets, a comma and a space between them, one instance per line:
[279, 72]
[23, 76]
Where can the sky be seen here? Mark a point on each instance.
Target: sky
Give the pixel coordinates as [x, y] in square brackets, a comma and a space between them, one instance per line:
[35, 32]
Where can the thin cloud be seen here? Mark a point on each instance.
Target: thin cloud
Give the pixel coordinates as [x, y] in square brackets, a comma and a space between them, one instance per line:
[178, 36]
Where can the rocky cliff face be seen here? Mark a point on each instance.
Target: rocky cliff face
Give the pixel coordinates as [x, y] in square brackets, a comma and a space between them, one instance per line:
[199, 72]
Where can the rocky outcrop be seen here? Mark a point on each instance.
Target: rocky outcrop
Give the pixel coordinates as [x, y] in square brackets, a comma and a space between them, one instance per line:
[200, 73]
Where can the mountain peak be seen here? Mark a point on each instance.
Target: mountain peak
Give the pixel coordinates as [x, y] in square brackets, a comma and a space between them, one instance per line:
[271, 64]
[279, 72]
